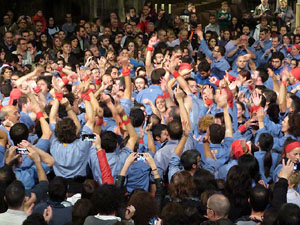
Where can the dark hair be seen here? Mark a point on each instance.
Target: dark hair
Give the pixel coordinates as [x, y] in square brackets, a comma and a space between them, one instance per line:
[189, 158]
[181, 186]
[15, 194]
[263, 75]
[141, 200]
[156, 75]
[204, 181]
[270, 96]
[35, 219]
[289, 214]
[259, 198]
[245, 74]
[266, 143]
[107, 199]
[82, 209]
[277, 55]
[137, 117]
[294, 124]
[157, 129]
[109, 141]
[7, 176]
[19, 132]
[222, 49]
[88, 188]
[216, 133]
[65, 131]
[6, 89]
[295, 103]
[57, 189]
[175, 129]
[204, 66]
[250, 164]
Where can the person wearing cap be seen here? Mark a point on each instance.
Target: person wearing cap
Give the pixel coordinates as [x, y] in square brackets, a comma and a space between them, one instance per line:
[294, 52]
[291, 152]
[294, 80]
[238, 148]
[219, 63]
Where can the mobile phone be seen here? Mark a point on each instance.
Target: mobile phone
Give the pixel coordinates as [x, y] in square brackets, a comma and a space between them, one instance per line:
[297, 167]
[88, 137]
[140, 157]
[153, 221]
[22, 151]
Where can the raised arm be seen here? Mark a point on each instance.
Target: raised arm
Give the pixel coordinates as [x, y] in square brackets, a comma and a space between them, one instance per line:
[65, 102]
[53, 111]
[224, 105]
[179, 148]
[35, 157]
[127, 79]
[151, 144]
[283, 91]
[28, 76]
[148, 62]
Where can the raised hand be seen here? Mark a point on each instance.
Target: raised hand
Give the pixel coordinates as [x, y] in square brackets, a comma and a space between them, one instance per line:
[153, 41]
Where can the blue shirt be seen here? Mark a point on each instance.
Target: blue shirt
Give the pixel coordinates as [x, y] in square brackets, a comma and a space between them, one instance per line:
[217, 67]
[151, 93]
[70, 159]
[115, 160]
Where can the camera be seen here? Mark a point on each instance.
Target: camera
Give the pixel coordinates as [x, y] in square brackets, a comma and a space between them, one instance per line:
[88, 137]
[22, 151]
[140, 158]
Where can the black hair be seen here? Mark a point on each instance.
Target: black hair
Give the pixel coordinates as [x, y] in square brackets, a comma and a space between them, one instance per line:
[216, 133]
[35, 219]
[109, 141]
[189, 158]
[259, 198]
[250, 164]
[157, 129]
[263, 75]
[156, 75]
[295, 103]
[273, 112]
[270, 96]
[65, 131]
[137, 117]
[266, 144]
[289, 214]
[204, 181]
[6, 89]
[107, 199]
[19, 132]
[58, 189]
[277, 55]
[15, 194]
[204, 66]
[175, 129]
[7, 176]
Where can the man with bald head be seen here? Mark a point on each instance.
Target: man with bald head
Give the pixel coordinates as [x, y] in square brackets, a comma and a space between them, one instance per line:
[9, 116]
[218, 207]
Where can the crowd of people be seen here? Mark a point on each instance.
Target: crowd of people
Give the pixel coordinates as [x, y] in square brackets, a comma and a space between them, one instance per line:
[157, 119]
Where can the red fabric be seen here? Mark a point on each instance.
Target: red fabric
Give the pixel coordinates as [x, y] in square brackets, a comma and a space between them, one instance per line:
[65, 80]
[39, 115]
[106, 174]
[150, 49]
[208, 102]
[63, 75]
[141, 142]
[59, 68]
[296, 73]
[166, 95]
[254, 108]
[176, 74]
[37, 89]
[242, 128]
[14, 94]
[159, 97]
[290, 147]
[230, 77]
[99, 121]
[58, 96]
[237, 149]
[98, 82]
[184, 66]
[126, 71]
[229, 97]
[42, 19]
[85, 96]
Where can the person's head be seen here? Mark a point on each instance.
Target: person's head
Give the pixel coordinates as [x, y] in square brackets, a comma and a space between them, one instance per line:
[160, 133]
[8, 38]
[104, 40]
[162, 35]
[183, 35]
[241, 62]
[109, 141]
[141, 200]
[275, 41]
[44, 84]
[65, 131]
[216, 133]
[181, 186]
[212, 19]
[218, 52]
[204, 69]
[15, 195]
[244, 75]
[129, 29]
[156, 75]
[107, 199]
[190, 160]
[293, 103]
[283, 3]
[6, 73]
[277, 60]
[81, 209]
[218, 207]
[140, 83]
[58, 189]
[265, 142]
[212, 42]
[19, 132]
[38, 26]
[175, 129]
[66, 47]
[88, 188]
[292, 150]
[6, 20]
[295, 50]
[11, 113]
[289, 214]
[160, 104]
[68, 17]
[290, 124]
[62, 35]
[259, 198]
[94, 49]
[137, 117]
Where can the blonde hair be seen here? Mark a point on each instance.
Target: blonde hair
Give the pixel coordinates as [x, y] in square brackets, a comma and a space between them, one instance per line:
[295, 179]
[204, 122]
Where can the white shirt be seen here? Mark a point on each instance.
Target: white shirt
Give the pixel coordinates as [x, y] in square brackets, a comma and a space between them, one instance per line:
[293, 196]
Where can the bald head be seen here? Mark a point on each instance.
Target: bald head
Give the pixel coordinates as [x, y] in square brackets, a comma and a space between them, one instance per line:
[10, 113]
[220, 205]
